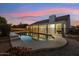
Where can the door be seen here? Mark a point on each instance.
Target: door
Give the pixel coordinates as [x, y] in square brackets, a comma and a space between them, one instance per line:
[59, 28]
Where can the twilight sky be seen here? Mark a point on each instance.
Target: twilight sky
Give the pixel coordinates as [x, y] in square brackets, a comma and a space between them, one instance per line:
[32, 12]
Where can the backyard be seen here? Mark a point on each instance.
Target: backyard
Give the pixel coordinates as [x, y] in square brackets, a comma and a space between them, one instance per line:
[72, 49]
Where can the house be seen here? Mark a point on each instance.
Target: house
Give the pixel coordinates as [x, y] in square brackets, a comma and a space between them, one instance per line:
[53, 25]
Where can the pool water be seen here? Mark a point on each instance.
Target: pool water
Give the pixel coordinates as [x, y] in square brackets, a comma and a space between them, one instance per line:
[26, 38]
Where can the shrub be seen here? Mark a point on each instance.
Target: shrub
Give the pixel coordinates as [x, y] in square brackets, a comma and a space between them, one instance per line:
[73, 31]
[5, 30]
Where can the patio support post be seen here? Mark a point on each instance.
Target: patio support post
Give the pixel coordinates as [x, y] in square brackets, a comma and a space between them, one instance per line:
[63, 30]
[32, 31]
[38, 31]
[55, 28]
[26, 30]
[46, 31]
[29, 31]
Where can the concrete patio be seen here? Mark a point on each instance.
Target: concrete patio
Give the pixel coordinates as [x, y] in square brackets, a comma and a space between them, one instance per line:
[56, 43]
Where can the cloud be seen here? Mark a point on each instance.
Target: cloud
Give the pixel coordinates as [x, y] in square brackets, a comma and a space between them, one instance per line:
[34, 15]
[47, 11]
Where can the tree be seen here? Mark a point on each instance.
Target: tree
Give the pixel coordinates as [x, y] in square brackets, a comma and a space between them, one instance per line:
[22, 25]
[3, 20]
[74, 30]
[4, 27]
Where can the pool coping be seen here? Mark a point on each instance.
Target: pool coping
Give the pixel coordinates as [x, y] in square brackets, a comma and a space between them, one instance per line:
[37, 50]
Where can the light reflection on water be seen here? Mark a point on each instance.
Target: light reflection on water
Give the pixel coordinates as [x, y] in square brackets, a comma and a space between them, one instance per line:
[26, 38]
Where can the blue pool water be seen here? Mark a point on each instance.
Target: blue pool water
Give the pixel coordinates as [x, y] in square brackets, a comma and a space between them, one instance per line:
[26, 38]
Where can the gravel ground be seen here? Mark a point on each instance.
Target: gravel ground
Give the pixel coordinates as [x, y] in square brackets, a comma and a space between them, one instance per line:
[72, 49]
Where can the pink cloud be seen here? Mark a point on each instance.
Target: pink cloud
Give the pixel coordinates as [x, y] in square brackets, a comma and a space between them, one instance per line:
[48, 11]
[73, 12]
[75, 22]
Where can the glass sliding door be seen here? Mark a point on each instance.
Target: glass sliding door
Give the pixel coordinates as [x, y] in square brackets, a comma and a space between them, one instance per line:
[35, 31]
[42, 30]
[51, 29]
[59, 27]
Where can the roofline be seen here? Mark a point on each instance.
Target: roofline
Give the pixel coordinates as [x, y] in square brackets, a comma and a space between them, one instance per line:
[48, 19]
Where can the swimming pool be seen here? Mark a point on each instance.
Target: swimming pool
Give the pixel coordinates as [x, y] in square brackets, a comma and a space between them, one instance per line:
[26, 38]
[27, 41]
